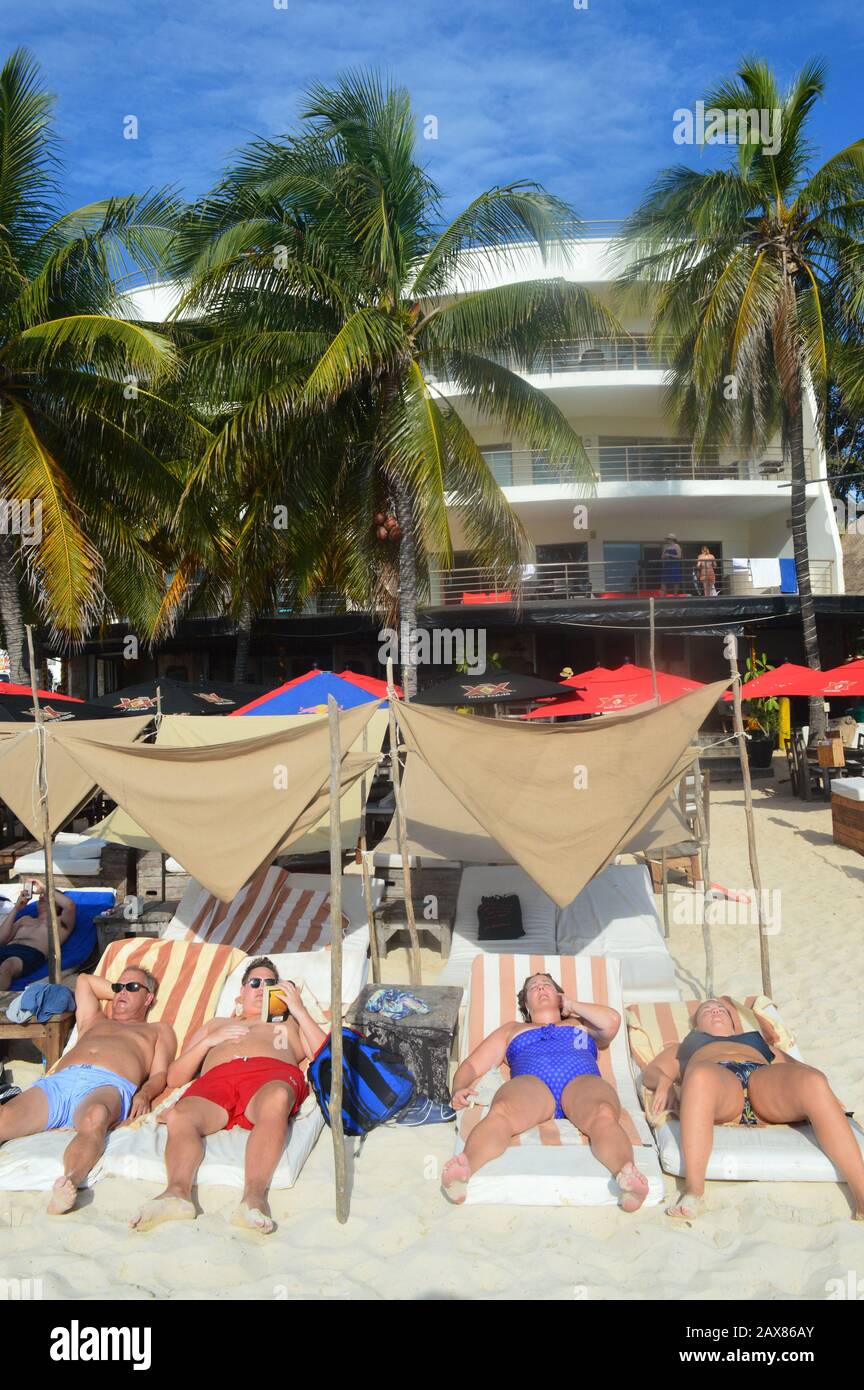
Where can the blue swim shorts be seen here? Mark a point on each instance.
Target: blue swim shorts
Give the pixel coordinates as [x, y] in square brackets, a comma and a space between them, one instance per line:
[67, 1088]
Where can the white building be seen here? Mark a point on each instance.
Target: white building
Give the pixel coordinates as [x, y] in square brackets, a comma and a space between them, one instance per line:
[592, 558]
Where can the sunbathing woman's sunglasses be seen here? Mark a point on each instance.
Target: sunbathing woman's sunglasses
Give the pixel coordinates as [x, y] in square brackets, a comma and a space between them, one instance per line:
[133, 986]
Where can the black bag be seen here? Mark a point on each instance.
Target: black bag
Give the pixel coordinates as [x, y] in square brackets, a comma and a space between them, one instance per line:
[499, 918]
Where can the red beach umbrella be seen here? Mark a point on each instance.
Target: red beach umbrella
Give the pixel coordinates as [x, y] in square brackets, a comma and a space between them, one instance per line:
[786, 679]
[372, 684]
[605, 691]
[846, 680]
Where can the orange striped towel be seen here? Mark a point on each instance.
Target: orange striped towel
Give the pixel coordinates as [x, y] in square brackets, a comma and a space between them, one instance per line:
[268, 916]
[495, 982]
[190, 978]
[651, 1027]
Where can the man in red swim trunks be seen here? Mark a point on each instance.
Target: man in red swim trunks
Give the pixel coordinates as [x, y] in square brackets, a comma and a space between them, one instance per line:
[249, 1077]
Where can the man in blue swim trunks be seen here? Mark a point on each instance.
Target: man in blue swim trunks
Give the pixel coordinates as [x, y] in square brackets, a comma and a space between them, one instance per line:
[114, 1072]
[24, 932]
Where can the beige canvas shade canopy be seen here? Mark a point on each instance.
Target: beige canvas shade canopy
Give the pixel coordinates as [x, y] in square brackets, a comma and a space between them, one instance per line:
[195, 730]
[225, 809]
[69, 784]
[562, 800]
[440, 827]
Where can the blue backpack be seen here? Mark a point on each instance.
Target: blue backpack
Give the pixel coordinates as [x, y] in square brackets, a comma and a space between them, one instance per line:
[376, 1084]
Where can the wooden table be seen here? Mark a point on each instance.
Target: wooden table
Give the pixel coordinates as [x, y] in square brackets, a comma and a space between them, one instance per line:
[390, 919]
[49, 1037]
[113, 926]
[423, 1041]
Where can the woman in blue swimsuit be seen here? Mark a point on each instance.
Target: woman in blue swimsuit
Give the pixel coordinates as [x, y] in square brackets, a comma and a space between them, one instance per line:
[727, 1077]
[552, 1057]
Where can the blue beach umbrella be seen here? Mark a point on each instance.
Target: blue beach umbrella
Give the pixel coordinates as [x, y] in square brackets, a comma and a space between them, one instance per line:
[308, 695]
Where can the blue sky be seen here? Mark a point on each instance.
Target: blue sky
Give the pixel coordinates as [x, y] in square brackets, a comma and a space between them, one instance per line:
[581, 100]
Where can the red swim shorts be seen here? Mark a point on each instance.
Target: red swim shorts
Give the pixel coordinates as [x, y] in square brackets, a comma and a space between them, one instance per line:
[233, 1084]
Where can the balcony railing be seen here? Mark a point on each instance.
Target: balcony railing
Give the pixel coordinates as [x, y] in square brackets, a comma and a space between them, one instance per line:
[645, 463]
[625, 353]
[579, 579]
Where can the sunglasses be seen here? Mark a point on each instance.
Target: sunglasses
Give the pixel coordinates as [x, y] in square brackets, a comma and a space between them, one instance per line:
[255, 981]
[133, 986]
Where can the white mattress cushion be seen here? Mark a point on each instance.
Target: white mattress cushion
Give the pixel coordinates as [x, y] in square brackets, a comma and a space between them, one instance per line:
[743, 1153]
[615, 915]
[140, 1153]
[84, 846]
[754, 1153]
[551, 1165]
[65, 862]
[32, 1164]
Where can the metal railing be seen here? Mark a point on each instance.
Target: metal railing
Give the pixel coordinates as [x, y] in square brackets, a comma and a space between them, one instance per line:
[622, 353]
[646, 462]
[578, 579]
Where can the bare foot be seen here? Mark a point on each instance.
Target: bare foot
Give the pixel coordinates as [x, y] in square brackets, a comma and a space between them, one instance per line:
[687, 1208]
[633, 1186]
[454, 1179]
[161, 1209]
[64, 1195]
[250, 1218]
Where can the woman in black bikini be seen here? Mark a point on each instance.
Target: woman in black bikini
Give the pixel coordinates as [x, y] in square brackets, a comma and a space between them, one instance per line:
[727, 1076]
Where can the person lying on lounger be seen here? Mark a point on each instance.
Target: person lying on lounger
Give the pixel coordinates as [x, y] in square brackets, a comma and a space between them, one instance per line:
[554, 1074]
[727, 1078]
[249, 1077]
[24, 938]
[114, 1072]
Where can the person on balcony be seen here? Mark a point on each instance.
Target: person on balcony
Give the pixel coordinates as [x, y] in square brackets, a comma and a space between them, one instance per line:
[670, 566]
[706, 570]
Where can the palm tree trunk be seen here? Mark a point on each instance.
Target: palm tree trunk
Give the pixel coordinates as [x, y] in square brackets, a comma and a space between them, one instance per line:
[407, 587]
[795, 430]
[244, 640]
[10, 610]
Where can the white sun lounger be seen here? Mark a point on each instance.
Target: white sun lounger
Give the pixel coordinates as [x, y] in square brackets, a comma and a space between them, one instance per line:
[741, 1153]
[137, 1151]
[261, 912]
[614, 915]
[552, 1164]
[75, 856]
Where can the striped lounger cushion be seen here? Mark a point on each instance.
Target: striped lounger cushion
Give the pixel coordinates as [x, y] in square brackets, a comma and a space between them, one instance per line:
[769, 1153]
[191, 980]
[551, 1165]
[270, 914]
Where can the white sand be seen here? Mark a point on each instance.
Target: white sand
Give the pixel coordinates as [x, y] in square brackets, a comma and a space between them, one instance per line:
[769, 1240]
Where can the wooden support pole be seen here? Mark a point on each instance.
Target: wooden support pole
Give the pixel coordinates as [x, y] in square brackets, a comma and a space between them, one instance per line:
[664, 869]
[414, 968]
[339, 1158]
[702, 837]
[54, 956]
[367, 882]
[748, 812]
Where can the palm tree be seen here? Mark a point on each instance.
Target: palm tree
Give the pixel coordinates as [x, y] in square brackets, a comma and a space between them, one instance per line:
[337, 300]
[80, 426]
[754, 273]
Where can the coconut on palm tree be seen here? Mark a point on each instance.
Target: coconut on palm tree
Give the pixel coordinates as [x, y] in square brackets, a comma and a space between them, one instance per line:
[80, 428]
[337, 298]
[753, 273]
